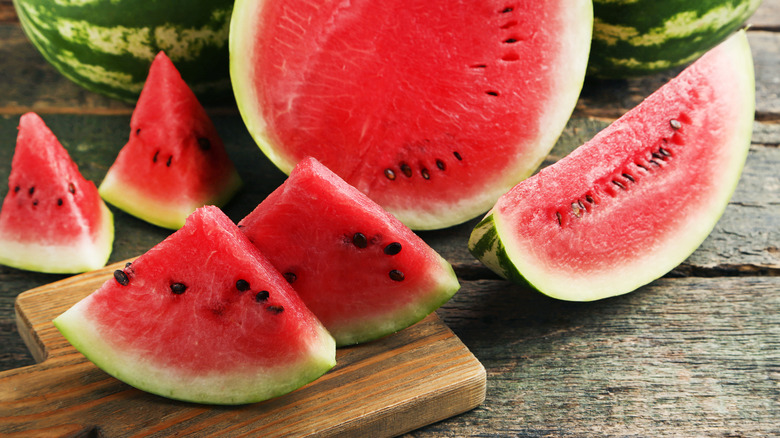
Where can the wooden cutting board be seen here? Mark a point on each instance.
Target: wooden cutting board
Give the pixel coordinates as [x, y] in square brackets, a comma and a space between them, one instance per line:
[415, 377]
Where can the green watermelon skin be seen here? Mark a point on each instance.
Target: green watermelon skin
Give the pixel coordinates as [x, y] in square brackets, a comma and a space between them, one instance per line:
[174, 160]
[634, 202]
[52, 219]
[107, 46]
[641, 37]
[358, 268]
[215, 341]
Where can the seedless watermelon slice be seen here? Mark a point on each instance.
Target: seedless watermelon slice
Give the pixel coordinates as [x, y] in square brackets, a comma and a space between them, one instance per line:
[635, 201]
[52, 219]
[174, 160]
[358, 268]
[201, 317]
[432, 108]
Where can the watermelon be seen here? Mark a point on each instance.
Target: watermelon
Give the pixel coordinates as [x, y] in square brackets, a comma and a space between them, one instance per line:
[107, 46]
[174, 161]
[432, 109]
[358, 268]
[201, 317]
[640, 37]
[52, 219]
[633, 202]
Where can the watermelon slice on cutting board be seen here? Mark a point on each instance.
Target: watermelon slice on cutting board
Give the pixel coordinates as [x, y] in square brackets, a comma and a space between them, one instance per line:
[358, 268]
[431, 108]
[174, 161]
[634, 202]
[201, 317]
[52, 219]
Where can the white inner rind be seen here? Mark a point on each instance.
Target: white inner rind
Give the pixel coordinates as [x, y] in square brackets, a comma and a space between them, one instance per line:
[691, 230]
[84, 253]
[240, 385]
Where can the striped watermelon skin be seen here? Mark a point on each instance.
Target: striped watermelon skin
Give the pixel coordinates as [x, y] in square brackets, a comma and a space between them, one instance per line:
[107, 46]
[640, 37]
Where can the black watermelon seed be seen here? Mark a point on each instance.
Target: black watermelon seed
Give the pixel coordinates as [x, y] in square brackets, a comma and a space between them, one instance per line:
[262, 296]
[359, 240]
[510, 40]
[619, 184]
[560, 218]
[178, 288]
[204, 143]
[59, 201]
[168, 163]
[440, 164]
[31, 190]
[589, 198]
[664, 152]
[275, 309]
[425, 174]
[35, 202]
[16, 189]
[390, 174]
[507, 9]
[138, 131]
[242, 285]
[121, 277]
[629, 177]
[407, 171]
[71, 188]
[675, 124]
[156, 154]
[393, 248]
[396, 275]
[290, 277]
[457, 155]
[128, 264]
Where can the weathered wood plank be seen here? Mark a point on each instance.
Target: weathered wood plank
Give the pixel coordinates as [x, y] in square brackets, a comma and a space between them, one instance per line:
[681, 357]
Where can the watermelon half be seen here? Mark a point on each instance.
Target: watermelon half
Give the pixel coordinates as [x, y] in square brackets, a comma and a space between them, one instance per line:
[358, 268]
[52, 219]
[635, 201]
[201, 317]
[174, 161]
[107, 46]
[640, 37]
[431, 108]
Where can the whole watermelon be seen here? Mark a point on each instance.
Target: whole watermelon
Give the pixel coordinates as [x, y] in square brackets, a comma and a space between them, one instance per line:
[640, 37]
[107, 46]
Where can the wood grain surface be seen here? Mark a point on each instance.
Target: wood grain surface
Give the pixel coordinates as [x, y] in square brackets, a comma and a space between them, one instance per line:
[401, 382]
[695, 354]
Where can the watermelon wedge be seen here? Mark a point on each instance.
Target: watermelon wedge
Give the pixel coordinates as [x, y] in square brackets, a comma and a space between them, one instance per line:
[174, 161]
[360, 270]
[431, 108]
[635, 201]
[201, 317]
[52, 219]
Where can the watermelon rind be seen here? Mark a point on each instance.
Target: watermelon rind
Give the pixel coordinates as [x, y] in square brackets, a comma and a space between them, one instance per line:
[492, 241]
[106, 46]
[641, 37]
[82, 256]
[76, 326]
[446, 208]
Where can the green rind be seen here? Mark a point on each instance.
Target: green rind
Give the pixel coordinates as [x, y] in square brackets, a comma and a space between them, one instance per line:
[489, 239]
[447, 285]
[87, 255]
[640, 37]
[166, 214]
[249, 387]
[107, 46]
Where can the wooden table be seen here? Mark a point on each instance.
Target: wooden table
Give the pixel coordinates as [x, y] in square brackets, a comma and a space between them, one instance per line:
[696, 353]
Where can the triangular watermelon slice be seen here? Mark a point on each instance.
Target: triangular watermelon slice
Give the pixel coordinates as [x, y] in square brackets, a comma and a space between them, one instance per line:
[174, 161]
[52, 219]
[201, 317]
[358, 268]
[635, 201]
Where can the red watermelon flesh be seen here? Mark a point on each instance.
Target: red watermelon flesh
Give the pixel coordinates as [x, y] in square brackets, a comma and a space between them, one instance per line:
[175, 160]
[52, 219]
[360, 270]
[632, 203]
[432, 108]
[201, 317]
